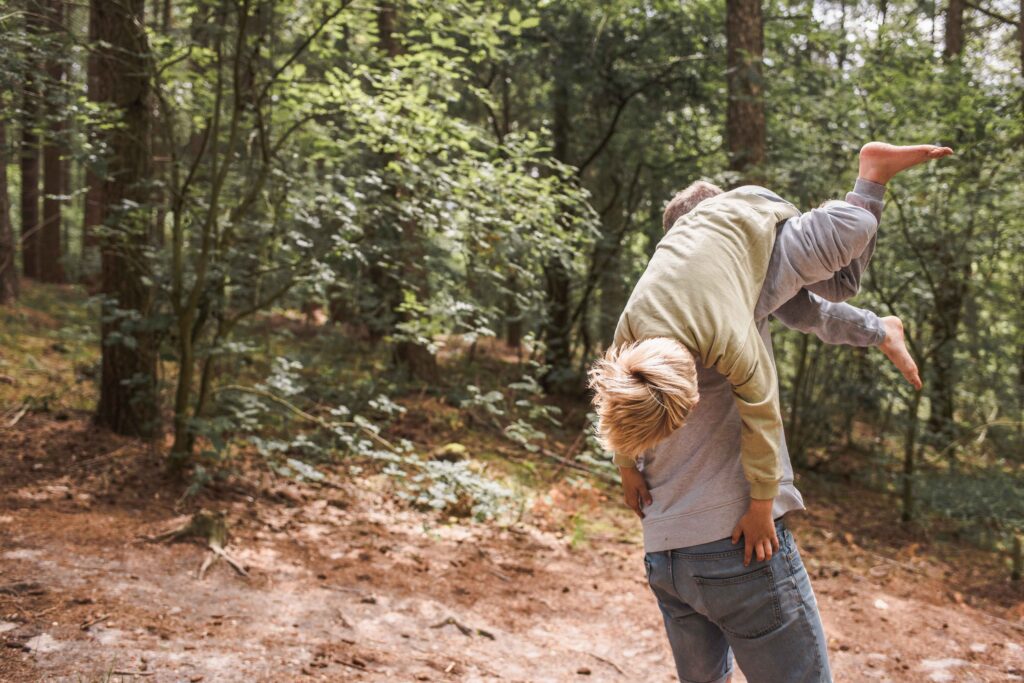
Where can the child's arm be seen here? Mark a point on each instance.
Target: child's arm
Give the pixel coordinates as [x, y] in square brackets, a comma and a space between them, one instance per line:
[846, 324]
[751, 372]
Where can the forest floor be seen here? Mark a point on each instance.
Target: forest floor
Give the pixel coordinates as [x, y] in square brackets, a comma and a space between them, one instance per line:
[346, 583]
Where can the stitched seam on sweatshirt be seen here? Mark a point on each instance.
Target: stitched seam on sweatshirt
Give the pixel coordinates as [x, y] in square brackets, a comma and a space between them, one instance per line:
[697, 512]
[658, 520]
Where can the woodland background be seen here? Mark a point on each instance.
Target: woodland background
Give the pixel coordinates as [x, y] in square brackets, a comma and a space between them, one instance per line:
[385, 239]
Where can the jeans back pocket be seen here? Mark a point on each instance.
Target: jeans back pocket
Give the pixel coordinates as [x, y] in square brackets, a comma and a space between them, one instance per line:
[746, 606]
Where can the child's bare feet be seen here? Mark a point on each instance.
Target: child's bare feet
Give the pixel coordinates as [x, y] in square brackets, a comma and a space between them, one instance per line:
[880, 161]
[895, 349]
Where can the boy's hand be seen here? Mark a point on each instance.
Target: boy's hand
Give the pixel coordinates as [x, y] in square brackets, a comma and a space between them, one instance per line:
[758, 530]
[634, 490]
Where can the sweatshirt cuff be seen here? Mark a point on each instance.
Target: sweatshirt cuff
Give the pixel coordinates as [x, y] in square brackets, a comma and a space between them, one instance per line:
[869, 189]
[877, 328]
[623, 461]
[764, 490]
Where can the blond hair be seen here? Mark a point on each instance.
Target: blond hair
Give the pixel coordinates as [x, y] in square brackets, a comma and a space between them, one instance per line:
[643, 392]
[685, 200]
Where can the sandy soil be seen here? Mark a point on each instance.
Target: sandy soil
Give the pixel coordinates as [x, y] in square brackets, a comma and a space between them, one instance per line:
[344, 585]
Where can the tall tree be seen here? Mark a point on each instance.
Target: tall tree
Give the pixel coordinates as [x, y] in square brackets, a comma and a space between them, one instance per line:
[744, 116]
[92, 209]
[8, 268]
[954, 43]
[50, 266]
[405, 280]
[558, 324]
[128, 387]
[30, 148]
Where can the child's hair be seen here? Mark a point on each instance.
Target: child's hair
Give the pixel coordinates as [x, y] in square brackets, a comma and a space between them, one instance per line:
[643, 392]
[685, 200]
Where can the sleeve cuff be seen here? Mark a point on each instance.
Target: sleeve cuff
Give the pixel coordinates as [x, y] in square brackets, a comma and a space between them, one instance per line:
[869, 189]
[623, 461]
[875, 323]
[764, 490]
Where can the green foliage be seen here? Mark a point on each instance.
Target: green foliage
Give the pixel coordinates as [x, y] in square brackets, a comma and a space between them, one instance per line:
[465, 170]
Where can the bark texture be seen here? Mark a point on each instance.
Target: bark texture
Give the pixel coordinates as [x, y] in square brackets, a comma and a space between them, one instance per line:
[51, 268]
[128, 390]
[954, 45]
[92, 212]
[8, 268]
[30, 152]
[558, 324]
[744, 116]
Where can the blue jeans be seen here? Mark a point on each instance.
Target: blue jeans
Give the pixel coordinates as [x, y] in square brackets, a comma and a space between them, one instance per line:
[764, 614]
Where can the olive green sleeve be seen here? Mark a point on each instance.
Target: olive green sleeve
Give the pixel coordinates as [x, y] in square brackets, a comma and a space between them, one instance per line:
[623, 460]
[751, 372]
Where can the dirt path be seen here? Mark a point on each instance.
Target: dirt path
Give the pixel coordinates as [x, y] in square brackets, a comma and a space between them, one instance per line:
[337, 593]
[345, 585]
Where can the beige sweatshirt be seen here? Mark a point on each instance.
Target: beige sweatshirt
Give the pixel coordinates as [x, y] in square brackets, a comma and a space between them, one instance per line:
[701, 288]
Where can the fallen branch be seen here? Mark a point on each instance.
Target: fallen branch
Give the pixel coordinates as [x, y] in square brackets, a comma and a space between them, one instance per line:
[220, 552]
[608, 662]
[99, 458]
[86, 625]
[294, 409]
[501, 576]
[343, 589]
[578, 466]
[18, 415]
[133, 673]
[22, 588]
[466, 630]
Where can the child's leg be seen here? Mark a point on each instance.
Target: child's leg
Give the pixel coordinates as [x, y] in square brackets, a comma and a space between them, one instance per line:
[846, 281]
[879, 162]
[827, 250]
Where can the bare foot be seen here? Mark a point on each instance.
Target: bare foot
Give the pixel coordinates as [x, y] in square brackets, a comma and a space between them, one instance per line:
[895, 349]
[880, 161]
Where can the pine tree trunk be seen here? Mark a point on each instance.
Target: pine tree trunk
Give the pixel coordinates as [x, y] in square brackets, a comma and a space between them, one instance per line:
[954, 28]
[30, 153]
[128, 388]
[411, 357]
[909, 453]
[8, 268]
[558, 324]
[513, 315]
[92, 211]
[744, 116]
[51, 268]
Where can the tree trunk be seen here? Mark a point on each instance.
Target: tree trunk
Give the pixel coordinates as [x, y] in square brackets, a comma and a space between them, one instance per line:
[614, 294]
[128, 388]
[558, 323]
[92, 211]
[794, 436]
[744, 116]
[954, 28]
[50, 267]
[8, 269]
[909, 451]
[513, 315]
[30, 153]
[411, 357]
